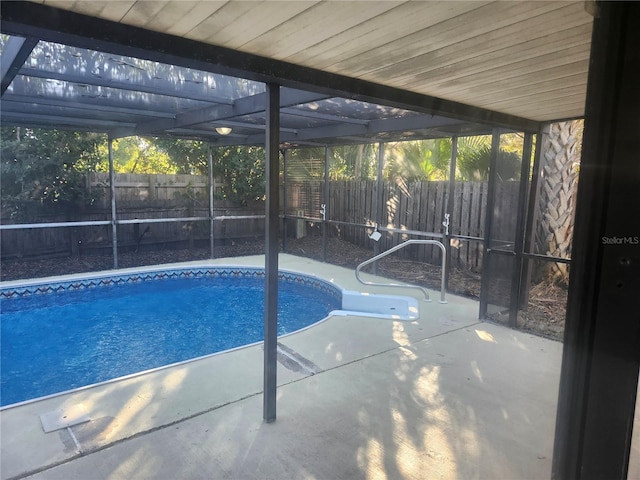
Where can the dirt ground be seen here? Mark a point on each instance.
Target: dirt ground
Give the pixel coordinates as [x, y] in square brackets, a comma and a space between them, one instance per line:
[544, 315]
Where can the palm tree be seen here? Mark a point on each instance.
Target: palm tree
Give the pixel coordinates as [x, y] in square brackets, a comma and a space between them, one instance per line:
[560, 164]
[474, 164]
[419, 160]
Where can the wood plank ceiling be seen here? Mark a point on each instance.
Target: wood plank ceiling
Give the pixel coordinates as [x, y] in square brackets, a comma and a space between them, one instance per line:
[527, 59]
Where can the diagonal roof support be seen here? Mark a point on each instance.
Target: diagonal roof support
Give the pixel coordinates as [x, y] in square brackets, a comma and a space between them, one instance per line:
[14, 54]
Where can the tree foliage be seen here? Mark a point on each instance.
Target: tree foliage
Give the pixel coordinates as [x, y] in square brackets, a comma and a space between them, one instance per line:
[42, 170]
[241, 170]
[474, 158]
[346, 162]
[419, 160]
[427, 160]
[474, 165]
[190, 157]
[353, 162]
[141, 155]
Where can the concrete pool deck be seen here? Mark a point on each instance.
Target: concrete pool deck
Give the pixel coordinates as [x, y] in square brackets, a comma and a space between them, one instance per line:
[445, 396]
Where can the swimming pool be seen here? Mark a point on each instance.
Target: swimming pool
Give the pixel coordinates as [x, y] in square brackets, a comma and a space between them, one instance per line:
[66, 335]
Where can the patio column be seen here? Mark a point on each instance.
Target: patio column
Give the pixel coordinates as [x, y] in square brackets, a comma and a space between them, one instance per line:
[272, 141]
[112, 191]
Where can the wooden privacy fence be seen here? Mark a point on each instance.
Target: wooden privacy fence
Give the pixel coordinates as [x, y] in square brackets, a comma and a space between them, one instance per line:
[137, 197]
[414, 206]
[79, 240]
[134, 190]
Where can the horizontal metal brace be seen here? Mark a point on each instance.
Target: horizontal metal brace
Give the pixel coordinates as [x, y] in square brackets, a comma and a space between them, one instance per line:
[161, 220]
[546, 258]
[21, 226]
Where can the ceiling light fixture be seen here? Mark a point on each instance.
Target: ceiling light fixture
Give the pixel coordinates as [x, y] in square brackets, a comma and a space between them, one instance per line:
[223, 130]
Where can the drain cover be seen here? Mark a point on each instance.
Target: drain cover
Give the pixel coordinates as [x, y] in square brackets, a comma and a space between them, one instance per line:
[64, 417]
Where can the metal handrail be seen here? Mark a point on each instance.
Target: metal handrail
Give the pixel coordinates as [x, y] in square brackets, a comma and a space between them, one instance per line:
[398, 247]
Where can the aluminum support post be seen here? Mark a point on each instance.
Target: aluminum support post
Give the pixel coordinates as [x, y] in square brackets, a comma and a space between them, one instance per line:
[211, 191]
[450, 204]
[488, 226]
[272, 140]
[325, 206]
[112, 191]
[285, 161]
[516, 279]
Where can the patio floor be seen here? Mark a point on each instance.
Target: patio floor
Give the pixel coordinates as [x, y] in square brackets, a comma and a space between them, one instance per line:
[446, 396]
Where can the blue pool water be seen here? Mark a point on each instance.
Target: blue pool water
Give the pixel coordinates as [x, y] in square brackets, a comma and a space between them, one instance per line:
[60, 341]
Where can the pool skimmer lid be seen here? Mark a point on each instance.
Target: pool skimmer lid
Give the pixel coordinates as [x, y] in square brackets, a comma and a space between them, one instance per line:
[64, 417]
